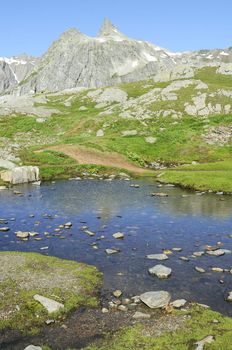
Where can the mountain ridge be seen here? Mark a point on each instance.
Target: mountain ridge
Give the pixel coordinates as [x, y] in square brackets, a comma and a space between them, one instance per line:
[111, 58]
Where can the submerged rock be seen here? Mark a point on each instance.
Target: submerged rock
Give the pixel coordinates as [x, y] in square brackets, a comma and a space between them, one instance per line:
[156, 299]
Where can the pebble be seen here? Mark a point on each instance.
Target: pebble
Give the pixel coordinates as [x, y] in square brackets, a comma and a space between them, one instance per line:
[199, 269]
[104, 310]
[141, 316]
[198, 254]
[4, 229]
[157, 257]
[90, 233]
[184, 258]
[177, 249]
[159, 194]
[122, 308]
[177, 304]
[217, 269]
[110, 251]
[229, 297]
[117, 293]
[118, 235]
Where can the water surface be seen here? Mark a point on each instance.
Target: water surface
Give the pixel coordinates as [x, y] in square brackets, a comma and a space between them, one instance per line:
[150, 224]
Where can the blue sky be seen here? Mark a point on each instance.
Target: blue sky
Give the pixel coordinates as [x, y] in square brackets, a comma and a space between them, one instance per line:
[31, 26]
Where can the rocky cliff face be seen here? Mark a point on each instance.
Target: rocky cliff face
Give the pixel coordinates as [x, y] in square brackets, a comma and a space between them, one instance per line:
[77, 60]
[13, 70]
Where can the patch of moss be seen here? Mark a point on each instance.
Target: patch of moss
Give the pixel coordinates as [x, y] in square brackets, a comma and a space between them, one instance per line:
[26, 274]
[199, 324]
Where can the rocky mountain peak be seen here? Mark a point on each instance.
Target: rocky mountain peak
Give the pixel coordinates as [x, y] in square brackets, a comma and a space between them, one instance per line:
[109, 30]
[71, 33]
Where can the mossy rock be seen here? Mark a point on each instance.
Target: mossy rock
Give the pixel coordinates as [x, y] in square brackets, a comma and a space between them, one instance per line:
[23, 275]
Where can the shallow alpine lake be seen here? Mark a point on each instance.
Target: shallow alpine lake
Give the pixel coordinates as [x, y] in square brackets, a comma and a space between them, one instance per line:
[184, 219]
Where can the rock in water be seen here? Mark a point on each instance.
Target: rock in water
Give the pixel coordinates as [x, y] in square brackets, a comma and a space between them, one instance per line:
[118, 235]
[229, 297]
[49, 304]
[157, 257]
[160, 271]
[156, 299]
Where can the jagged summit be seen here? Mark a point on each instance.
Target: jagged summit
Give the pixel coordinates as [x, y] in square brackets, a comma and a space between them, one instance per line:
[110, 58]
[109, 30]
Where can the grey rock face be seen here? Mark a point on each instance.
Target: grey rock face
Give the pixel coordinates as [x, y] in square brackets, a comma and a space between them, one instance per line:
[156, 300]
[13, 70]
[19, 175]
[109, 59]
[76, 60]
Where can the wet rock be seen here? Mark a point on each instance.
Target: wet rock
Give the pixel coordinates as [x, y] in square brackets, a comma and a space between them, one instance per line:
[184, 258]
[117, 293]
[122, 308]
[111, 251]
[33, 347]
[118, 235]
[208, 340]
[21, 234]
[199, 269]
[198, 254]
[49, 304]
[90, 233]
[218, 252]
[126, 301]
[141, 316]
[4, 229]
[48, 322]
[217, 269]
[104, 310]
[68, 225]
[160, 271]
[156, 299]
[177, 249]
[157, 257]
[229, 297]
[159, 194]
[177, 304]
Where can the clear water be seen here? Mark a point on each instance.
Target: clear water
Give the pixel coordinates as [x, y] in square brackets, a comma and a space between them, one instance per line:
[150, 224]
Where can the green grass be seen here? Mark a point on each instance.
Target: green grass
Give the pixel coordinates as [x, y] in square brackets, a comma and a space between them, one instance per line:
[213, 176]
[197, 328]
[177, 141]
[21, 311]
[57, 165]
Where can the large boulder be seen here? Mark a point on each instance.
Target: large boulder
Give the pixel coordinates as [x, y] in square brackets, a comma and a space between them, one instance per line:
[19, 175]
[156, 300]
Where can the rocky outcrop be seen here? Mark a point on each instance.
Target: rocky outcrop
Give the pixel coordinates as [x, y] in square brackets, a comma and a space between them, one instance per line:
[225, 69]
[14, 69]
[19, 175]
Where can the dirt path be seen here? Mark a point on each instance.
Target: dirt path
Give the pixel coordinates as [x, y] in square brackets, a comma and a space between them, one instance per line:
[90, 156]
